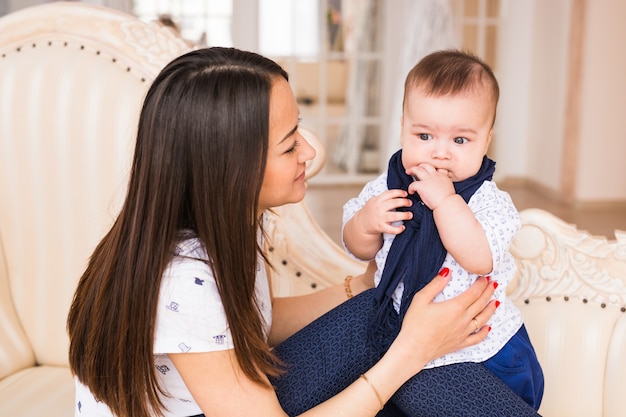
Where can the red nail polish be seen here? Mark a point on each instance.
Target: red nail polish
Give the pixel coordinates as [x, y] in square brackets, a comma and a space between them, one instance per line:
[497, 303]
[488, 329]
[444, 272]
[488, 278]
[495, 285]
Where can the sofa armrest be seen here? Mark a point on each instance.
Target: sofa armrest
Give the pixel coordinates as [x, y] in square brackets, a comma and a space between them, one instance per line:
[571, 289]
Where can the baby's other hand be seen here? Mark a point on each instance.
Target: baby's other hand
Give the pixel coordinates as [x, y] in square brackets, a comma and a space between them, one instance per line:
[379, 213]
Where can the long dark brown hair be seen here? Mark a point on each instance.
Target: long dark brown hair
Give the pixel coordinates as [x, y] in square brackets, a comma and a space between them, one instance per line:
[198, 165]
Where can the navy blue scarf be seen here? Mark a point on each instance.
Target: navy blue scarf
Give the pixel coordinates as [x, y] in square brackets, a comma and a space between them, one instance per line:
[416, 255]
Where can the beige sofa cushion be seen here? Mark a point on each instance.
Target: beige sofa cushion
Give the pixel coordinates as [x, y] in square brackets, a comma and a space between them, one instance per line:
[36, 392]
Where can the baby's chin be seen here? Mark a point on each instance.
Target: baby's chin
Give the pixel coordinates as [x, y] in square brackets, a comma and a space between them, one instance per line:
[454, 178]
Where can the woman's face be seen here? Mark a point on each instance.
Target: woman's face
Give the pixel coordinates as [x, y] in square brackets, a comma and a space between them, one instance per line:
[288, 151]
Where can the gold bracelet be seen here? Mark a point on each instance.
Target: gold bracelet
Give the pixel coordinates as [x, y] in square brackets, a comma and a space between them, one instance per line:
[346, 284]
[380, 400]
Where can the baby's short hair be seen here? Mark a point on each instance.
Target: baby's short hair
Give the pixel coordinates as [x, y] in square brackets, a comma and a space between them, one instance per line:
[451, 72]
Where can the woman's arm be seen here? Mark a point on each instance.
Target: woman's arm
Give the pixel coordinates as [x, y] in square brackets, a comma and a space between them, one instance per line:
[291, 314]
[429, 330]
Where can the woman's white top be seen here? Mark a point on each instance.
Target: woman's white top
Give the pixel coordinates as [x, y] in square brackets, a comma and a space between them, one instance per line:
[190, 318]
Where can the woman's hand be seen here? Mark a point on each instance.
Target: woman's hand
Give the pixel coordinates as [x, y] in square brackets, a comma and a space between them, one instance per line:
[432, 329]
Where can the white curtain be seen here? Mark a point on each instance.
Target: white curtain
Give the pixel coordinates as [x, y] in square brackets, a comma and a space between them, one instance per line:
[414, 29]
[365, 25]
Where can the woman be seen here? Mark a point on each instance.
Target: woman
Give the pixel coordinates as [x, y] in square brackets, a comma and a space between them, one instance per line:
[173, 314]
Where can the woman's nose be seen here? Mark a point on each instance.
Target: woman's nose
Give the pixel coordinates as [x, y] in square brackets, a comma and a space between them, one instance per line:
[307, 152]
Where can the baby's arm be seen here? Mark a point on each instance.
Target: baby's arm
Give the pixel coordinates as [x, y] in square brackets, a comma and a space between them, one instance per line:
[463, 236]
[363, 233]
[461, 233]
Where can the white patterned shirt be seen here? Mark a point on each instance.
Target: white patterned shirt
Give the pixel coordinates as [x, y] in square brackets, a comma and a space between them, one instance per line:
[498, 216]
[190, 318]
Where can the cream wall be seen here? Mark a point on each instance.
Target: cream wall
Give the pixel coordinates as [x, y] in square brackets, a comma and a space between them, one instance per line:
[532, 59]
[536, 135]
[548, 84]
[512, 128]
[602, 157]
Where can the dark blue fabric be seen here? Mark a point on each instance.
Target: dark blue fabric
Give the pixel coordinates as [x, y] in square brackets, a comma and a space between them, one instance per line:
[333, 351]
[416, 253]
[517, 365]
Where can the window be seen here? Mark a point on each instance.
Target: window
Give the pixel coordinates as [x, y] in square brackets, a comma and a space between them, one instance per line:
[289, 28]
[201, 22]
[332, 51]
[477, 22]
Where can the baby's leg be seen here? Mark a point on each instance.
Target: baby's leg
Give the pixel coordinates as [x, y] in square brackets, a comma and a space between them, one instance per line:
[517, 365]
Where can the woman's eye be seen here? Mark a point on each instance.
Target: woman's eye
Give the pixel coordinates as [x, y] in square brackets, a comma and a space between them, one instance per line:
[293, 148]
[460, 141]
[424, 136]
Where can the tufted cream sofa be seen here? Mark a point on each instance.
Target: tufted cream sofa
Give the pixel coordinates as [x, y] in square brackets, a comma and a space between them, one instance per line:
[72, 77]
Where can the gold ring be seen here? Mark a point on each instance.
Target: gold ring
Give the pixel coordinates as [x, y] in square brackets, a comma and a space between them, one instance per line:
[475, 324]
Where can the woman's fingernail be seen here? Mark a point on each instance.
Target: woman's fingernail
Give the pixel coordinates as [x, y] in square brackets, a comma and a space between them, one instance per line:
[495, 285]
[497, 303]
[488, 278]
[444, 272]
[488, 329]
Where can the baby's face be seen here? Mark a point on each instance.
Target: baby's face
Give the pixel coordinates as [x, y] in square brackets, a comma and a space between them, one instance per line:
[449, 132]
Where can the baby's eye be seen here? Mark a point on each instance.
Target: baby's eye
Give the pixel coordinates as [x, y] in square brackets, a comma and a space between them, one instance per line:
[460, 141]
[424, 136]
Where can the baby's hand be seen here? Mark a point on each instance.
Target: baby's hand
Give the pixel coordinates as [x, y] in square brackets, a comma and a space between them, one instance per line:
[379, 213]
[432, 185]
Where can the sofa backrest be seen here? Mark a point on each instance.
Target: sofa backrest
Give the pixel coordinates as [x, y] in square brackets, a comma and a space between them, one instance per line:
[72, 79]
[15, 349]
